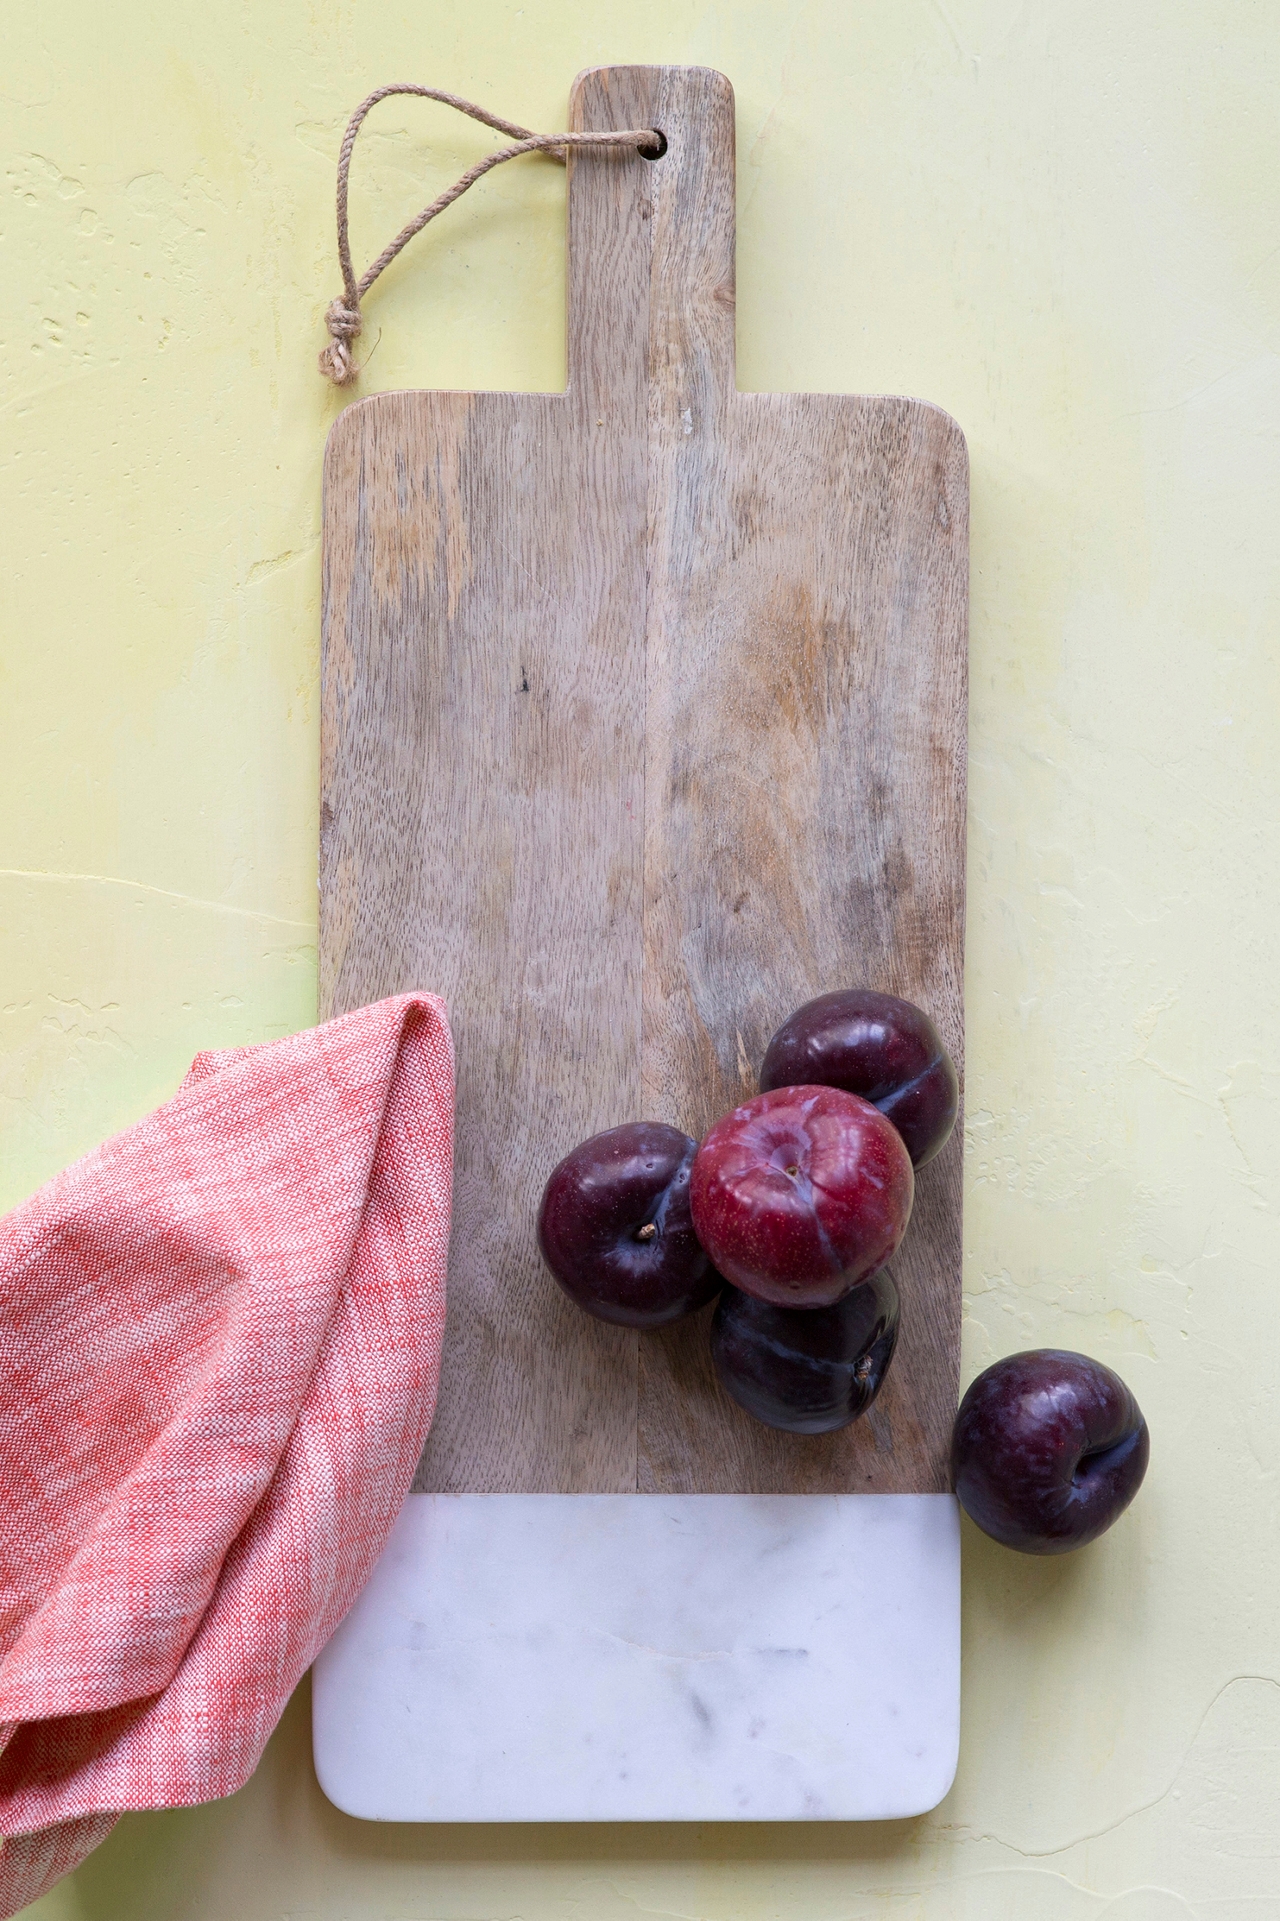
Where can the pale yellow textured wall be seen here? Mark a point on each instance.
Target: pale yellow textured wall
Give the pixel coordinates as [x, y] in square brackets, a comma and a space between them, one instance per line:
[1059, 219]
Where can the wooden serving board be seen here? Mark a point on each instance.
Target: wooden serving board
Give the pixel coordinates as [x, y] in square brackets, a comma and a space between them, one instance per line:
[644, 720]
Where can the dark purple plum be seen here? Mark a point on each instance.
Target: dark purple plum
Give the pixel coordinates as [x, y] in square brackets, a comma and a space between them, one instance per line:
[615, 1229]
[885, 1049]
[806, 1370]
[800, 1194]
[1048, 1449]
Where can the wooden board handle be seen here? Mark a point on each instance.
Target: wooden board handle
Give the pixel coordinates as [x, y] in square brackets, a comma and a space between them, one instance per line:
[651, 243]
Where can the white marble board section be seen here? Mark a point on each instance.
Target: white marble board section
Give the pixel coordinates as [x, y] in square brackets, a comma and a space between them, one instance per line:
[624, 1657]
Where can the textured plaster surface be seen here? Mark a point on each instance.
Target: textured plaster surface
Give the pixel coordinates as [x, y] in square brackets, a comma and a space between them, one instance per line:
[1060, 222]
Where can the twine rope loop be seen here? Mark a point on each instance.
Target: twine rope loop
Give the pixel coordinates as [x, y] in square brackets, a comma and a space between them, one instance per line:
[343, 317]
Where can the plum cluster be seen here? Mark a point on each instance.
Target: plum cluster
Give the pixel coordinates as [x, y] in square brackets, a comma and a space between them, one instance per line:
[788, 1210]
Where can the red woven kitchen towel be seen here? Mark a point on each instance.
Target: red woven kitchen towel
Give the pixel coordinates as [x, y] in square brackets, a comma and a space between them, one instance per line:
[219, 1347]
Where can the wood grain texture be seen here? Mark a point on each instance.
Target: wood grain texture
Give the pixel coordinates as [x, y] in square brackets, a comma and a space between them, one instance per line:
[644, 720]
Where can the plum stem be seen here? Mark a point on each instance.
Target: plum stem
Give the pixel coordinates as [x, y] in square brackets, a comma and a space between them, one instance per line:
[647, 1232]
[1099, 1460]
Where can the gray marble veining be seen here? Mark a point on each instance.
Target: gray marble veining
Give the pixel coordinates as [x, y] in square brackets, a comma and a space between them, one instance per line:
[581, 1657]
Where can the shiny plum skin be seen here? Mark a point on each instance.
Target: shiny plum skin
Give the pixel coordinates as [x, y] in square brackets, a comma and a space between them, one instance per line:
[806, 1371]
[885, 1049]
[801, 1194]
[1048, 1449]
[591, 1227]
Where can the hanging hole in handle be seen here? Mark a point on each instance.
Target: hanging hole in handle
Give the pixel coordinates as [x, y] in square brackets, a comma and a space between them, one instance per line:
[654, 153]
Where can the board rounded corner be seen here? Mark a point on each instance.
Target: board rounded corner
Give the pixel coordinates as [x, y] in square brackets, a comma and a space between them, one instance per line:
[950, 426]
[584, 75]
[936, 1793]
[344, 423]
[337, 1791]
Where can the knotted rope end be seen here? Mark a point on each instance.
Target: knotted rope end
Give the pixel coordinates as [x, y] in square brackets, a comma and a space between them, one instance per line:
[336, 361]
[343, 316]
